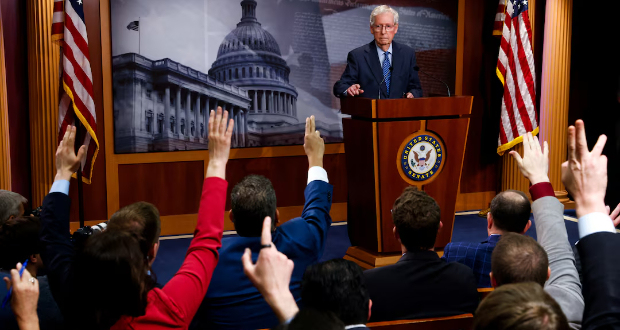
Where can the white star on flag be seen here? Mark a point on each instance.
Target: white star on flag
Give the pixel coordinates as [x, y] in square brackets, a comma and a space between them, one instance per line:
[79, 2]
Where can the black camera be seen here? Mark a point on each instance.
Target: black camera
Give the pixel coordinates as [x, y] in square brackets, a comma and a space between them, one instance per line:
[36, 212]
[80, 236]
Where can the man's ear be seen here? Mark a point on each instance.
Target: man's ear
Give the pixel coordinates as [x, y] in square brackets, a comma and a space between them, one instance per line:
[231, 216]
[277, 217]
[489, 221]
[153, 252]
[493, 282]
[527, 226]
[369, 308]
[548, 273]
[396, 235]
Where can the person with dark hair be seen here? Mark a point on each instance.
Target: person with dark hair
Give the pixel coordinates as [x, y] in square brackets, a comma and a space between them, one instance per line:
[11, 205]
[518, 258]
[312, 319]
[419, 285]
[337, 286]
[522, 306]
[584, 175]
[141, 219]
[551, 261]
[121, 294]
[510, 212]
[301, 239]
[19, 242]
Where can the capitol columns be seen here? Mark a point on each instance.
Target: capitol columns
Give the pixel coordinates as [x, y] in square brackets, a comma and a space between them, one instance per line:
[177, 113]
[205, 118]
[263, 106]
[255, 101]
[166, 129]
[188, 104]
[196, 117]
[242, 120]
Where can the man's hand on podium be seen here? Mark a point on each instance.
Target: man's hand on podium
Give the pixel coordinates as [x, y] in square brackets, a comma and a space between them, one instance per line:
[409, 95]
[313, 144]
[354, 90]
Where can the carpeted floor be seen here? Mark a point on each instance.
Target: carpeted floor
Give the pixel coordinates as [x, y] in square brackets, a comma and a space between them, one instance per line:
[467, 228]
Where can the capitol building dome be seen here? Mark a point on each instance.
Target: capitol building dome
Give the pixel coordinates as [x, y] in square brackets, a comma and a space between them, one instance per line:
[249, 57]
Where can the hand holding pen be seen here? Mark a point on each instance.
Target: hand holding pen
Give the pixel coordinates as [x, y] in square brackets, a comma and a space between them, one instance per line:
[25, 291]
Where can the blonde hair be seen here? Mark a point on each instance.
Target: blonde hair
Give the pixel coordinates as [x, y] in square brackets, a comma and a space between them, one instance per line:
[383, 9]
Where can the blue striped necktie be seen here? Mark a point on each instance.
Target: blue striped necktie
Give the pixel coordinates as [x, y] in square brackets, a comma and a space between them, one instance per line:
[386, 71]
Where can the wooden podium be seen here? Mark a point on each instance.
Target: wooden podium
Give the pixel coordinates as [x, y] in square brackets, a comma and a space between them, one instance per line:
[390, 145]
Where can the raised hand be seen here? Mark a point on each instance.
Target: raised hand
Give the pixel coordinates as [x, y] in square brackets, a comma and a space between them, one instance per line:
[615, 215]
[354, 90]
[585, 172]
[313, 144]
[25, 298]
[271, 275]
[535, 162]
[219, 142]
[67, 162]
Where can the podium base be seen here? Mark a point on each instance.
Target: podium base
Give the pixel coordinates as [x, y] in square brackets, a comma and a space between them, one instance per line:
[369, 260]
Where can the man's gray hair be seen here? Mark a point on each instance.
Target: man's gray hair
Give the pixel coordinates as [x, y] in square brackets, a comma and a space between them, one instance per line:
[383, 9]
[10, 205]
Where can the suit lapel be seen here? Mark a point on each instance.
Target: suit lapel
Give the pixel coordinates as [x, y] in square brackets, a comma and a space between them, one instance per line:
[373, 62]
[398, 66]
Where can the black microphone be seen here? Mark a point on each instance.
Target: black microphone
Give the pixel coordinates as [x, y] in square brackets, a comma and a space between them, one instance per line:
[384, 77]
[417, 69]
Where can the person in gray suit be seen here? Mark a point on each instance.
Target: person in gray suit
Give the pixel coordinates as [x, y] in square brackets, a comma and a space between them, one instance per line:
[563, 280]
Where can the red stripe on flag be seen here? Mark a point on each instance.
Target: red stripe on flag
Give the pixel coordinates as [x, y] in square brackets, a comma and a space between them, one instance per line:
[58, 6]
[79, 103]
[525, 69]
[510, 111]
[77, 37]
[78, 71]
[515, 79]
[502, 133]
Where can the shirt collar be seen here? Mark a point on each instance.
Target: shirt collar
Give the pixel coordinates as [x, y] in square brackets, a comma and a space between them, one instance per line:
[380, 51]
[352, 326]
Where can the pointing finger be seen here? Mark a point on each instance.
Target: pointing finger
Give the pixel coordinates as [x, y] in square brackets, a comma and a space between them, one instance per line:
[265, 238]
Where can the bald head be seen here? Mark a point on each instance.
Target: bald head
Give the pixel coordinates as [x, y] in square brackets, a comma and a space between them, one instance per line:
[511, 210]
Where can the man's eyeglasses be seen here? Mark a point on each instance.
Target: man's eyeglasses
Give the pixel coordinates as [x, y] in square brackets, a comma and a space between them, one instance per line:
[388, 28]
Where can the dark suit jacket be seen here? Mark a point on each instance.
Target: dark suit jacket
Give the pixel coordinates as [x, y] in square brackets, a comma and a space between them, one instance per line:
[57, 251]
[232, 302]
[420, 285]
[476, 256]
[601, 273]
[364, 68]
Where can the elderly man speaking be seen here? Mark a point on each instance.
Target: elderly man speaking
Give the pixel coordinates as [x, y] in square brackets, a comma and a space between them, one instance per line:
[383, 68]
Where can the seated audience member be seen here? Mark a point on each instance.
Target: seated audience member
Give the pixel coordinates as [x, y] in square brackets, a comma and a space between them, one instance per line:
[337, 286]
[510, 212]
[585, 177]
[420, 284]
[522, 306]
[11, 205]
[24, 299]
[113, 265]
[301, 239]
[563, 283]
[19, 241]
[312, 319]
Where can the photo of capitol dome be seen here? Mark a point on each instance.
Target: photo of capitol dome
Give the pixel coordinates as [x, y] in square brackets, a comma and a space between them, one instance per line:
[162, 103]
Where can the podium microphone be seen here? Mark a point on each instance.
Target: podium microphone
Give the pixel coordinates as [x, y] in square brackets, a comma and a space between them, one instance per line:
[384, 77]
[417, 69]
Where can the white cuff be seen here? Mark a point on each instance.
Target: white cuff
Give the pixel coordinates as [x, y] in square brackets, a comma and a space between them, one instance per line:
[317, 173]
[61, 186]
[595, 222]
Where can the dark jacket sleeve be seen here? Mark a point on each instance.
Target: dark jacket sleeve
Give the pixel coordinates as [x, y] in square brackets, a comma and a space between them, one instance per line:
[601, 288]
[316, 215]
[349, 77]
[414, 86]
[57, 250]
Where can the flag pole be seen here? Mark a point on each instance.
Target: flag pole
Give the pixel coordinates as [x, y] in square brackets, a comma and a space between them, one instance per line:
[139, 37]
[78, 135]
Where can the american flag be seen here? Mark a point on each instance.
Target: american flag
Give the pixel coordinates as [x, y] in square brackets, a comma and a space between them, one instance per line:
[515, 68]
[500, 16]
[76, 81]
